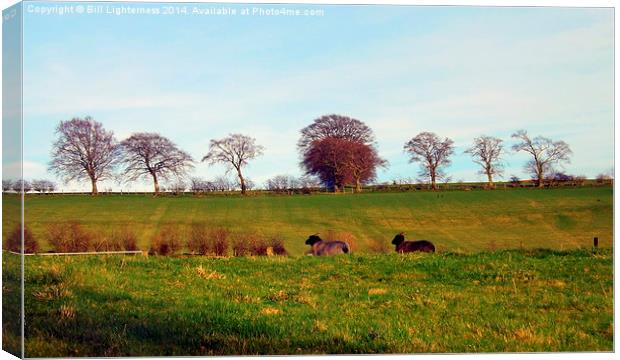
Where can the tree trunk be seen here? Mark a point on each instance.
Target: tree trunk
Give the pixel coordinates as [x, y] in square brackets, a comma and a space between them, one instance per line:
[490, 178]
[242, 182]
[433, 182]
[94, 190]
[155, 184]
[541, 180]
[358, 186]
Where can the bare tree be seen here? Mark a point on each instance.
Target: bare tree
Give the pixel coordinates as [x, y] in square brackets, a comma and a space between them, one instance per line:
[487, 152]
[281, 183]
[50, 186]
[152, 155]
[335, 126]
[84, 150]
[39, 185]
[7, 185]
[222, 183]
[22, 185]
[308, 182]
[545, 153]
[235, 151]
[177, 187]
[198, 185]
[433, 154]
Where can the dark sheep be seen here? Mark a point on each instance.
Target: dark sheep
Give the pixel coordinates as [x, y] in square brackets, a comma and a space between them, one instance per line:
[326, 248]
[403, 246]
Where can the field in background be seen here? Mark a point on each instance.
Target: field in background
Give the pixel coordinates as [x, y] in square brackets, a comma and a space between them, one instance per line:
[465, 221]
[504, 301]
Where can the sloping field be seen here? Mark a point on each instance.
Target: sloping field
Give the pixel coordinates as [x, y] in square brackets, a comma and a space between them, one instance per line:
[454, 220]
[504, 301]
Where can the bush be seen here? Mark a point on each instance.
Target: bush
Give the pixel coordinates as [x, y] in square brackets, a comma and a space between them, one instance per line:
[102, 243]
[204, 242]
[126, 238]
[69, 237]
[198, 240]
[277, 245]
[258, 245]
[14, 241]
[252, 243]
[240, 246]
[167, 241]
[219, 241]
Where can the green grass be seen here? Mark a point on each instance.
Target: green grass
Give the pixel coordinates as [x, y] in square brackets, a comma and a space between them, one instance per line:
[466, 221]
[504, 301]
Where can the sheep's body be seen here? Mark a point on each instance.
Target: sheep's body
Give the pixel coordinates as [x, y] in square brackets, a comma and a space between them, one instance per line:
[403, 246]
[327, 248]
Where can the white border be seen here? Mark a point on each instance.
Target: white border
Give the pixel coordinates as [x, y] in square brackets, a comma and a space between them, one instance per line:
[503, 3]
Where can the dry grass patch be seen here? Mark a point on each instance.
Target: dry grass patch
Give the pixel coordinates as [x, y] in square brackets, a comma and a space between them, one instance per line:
[208, 274]
[270, 311]
[377, 291]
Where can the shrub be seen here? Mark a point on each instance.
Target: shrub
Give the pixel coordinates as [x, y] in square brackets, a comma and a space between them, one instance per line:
[198, 239]
[240, 246]
[14, 241]
[258, 245]
[219, 241]
[102, 243]
[277, 245]
[167, 241]
[126, 238]
[69, 237]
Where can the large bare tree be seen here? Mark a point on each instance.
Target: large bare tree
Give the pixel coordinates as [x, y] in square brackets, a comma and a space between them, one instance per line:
[432, 152]
[335, 126]
[84, 150]
[152, 155]
[546, 154]
[487, 151]
[235, 151]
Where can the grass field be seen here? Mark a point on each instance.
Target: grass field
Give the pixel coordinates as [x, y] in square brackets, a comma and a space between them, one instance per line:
[504, 301]
[465, 221]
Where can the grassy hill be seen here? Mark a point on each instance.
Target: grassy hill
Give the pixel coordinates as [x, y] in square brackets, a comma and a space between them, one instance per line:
[464, 221]
[504, 301]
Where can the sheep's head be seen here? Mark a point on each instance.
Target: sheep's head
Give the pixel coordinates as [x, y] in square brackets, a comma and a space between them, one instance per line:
[313, 239]
[398, 239]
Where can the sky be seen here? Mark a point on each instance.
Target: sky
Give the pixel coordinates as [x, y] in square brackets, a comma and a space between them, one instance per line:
[460, 72]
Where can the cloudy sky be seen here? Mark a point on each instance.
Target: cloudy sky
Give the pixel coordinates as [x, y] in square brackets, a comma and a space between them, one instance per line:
[460, 72]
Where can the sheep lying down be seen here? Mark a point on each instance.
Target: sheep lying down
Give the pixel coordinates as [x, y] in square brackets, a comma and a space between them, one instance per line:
[403, 246]
[326, 248]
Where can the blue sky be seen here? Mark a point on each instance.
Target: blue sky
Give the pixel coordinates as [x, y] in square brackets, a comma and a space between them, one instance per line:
[460, 72]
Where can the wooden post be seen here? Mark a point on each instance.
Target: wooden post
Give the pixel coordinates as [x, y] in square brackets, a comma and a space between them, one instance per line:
[596, 242]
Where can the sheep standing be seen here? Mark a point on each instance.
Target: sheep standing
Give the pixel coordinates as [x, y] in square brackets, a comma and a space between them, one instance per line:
[403, 246]
[326, 248]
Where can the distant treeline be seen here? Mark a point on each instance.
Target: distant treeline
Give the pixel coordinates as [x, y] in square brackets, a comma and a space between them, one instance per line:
[337, 153]
[559, 180]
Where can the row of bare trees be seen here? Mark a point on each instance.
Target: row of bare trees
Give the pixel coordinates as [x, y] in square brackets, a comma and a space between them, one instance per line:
[433, 153]
[340, 151]
[41, 186]
[84, 150]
